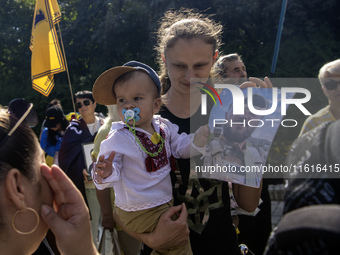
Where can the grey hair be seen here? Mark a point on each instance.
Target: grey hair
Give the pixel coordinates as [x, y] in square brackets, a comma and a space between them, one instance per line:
[220, 67]
[330, 68]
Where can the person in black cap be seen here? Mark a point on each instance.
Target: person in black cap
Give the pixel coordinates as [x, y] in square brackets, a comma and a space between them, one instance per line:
[52, 135]
[54, 102]
[143, 154]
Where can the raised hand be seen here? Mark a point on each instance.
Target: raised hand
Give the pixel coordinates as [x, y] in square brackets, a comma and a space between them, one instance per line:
[103, 167]
[70, 221]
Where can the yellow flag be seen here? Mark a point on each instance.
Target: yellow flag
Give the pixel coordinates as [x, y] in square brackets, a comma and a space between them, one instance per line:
[47, 58]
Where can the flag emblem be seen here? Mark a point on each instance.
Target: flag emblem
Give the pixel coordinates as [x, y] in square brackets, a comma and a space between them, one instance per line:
[40, 16]
[47, 58]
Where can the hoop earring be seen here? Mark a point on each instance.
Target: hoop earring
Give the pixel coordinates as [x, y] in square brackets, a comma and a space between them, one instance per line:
[22, 211]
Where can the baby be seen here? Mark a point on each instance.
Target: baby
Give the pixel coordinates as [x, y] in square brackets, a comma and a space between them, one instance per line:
[144, 146]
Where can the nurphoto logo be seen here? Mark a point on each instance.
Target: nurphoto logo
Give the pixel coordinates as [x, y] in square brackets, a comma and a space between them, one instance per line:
[239, 99]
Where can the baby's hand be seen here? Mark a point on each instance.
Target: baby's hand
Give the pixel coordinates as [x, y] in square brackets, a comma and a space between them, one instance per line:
[103, 168]
[201, 136]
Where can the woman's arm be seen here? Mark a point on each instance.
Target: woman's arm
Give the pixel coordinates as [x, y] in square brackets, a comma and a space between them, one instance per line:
[104, 199]
[247, 197]
[168, 233]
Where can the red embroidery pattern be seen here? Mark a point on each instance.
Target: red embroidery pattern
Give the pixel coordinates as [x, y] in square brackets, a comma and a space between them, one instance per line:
[161, 159]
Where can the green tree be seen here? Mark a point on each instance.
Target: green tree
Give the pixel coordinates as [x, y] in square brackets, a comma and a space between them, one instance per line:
[16, 22]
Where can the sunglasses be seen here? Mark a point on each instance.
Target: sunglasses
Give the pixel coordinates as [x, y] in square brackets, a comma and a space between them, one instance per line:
[331, 85]
[17, 108]
[85, 102]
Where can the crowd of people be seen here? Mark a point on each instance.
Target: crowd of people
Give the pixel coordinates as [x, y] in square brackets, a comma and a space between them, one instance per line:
[141, 184]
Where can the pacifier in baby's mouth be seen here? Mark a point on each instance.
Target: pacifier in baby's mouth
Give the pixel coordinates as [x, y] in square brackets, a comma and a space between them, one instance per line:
[155, 138]
[131, 114]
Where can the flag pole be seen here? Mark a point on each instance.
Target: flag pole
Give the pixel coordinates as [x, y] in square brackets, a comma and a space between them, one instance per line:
[68, 74]
[278, 36]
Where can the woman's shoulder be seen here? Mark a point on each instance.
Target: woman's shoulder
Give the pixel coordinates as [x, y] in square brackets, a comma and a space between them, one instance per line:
[166, 113]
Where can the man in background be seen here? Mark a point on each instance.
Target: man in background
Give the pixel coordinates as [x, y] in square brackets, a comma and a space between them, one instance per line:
[254, 230]
[71, 156]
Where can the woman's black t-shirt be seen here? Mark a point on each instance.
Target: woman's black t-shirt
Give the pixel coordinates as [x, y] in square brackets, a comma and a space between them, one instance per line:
[217, 235]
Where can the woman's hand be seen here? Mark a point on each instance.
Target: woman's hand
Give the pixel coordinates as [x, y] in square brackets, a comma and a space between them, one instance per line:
[70, 223]
[168, 233]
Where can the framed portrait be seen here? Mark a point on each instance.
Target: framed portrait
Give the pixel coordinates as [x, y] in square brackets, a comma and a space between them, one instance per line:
[87, 149]
[240, 142]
